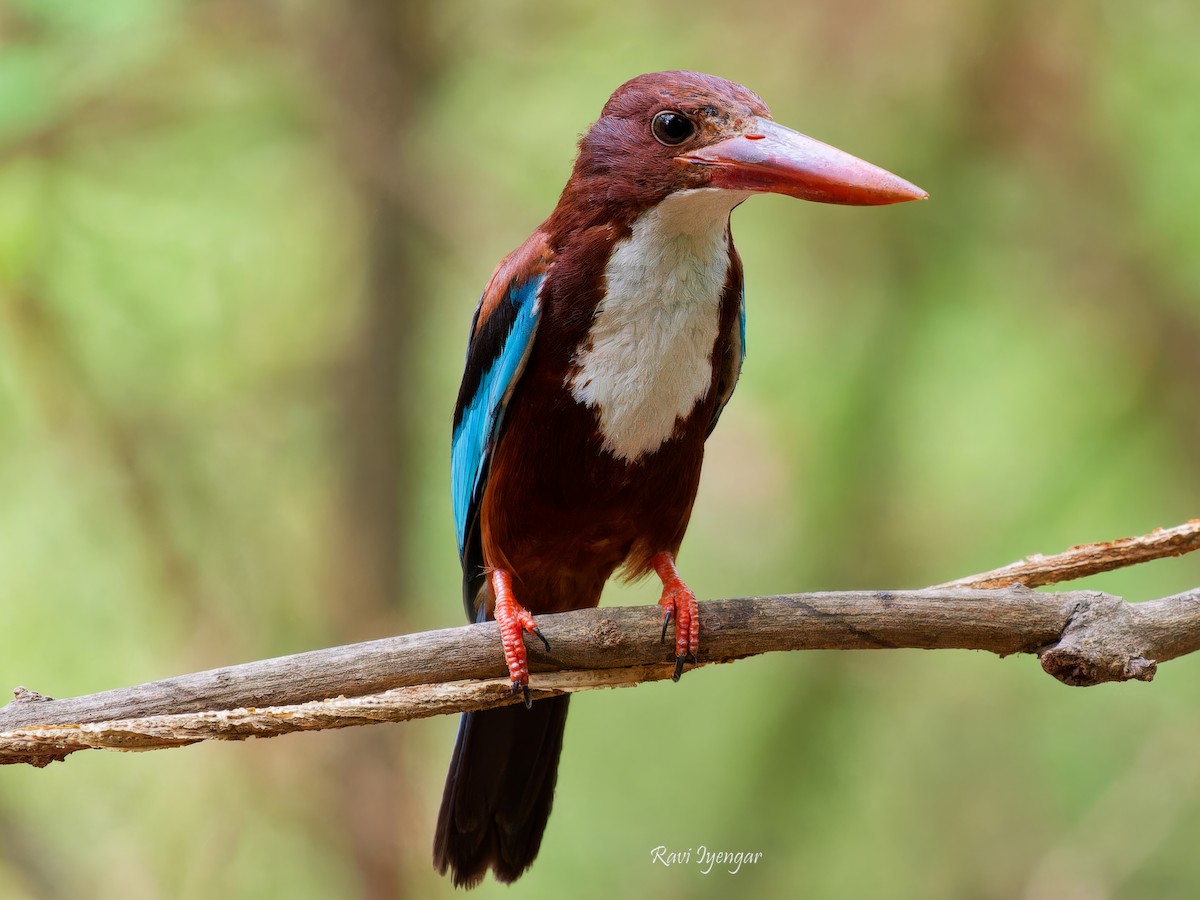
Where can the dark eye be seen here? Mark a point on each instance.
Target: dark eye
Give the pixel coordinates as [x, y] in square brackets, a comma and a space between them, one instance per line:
[672, 128]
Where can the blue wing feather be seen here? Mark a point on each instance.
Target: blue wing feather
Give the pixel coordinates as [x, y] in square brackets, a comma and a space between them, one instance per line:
[480, 416]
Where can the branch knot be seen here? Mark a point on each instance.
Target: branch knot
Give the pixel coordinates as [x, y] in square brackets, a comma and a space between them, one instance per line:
[1103, 641]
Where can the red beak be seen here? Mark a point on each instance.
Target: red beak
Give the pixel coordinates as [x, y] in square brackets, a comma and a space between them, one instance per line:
[770, 158]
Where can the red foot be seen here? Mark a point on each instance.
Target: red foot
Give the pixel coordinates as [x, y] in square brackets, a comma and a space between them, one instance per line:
[678, 602]
[514, 619]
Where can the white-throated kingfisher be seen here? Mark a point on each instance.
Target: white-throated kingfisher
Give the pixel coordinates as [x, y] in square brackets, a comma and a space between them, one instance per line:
[601, 355]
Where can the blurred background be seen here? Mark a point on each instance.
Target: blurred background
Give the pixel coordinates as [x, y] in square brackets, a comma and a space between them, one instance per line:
[240, 246]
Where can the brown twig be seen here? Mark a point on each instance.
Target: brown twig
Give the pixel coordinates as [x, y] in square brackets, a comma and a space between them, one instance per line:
[1082, 638]
[1088, 559]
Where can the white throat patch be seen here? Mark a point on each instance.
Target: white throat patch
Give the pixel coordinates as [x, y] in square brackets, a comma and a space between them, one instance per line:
[648, 356]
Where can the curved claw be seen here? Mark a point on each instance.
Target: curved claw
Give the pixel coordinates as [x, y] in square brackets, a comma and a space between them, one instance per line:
[679, 605]
[513, 620]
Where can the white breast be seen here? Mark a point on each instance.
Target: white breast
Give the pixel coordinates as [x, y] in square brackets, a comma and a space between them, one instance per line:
[648, 356]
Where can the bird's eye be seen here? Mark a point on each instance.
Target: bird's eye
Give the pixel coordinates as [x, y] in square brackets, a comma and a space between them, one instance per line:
[672, 128]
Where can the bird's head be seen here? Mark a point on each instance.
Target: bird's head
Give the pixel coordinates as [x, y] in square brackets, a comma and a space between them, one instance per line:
[675, 131]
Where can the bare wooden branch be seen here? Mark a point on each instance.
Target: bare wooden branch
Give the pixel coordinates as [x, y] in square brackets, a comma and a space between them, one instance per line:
[1088, 559]
[43, 744]
[1082, 637]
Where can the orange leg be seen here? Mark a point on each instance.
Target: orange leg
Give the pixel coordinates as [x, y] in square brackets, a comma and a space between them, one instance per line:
[514, 619]
[678, 602]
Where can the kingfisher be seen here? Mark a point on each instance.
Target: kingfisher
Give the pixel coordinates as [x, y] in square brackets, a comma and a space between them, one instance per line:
[600, 357]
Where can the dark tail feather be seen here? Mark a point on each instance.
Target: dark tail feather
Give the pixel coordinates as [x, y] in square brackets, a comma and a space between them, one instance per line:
[499, 791]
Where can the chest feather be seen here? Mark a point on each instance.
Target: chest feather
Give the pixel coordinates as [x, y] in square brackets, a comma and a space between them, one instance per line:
[648, 357]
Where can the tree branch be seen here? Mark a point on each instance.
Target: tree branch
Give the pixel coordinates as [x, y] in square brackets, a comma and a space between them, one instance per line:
[1082, 638]
[1088, 559]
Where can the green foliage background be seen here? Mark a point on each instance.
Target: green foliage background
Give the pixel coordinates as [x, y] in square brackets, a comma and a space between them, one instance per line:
[240, 244]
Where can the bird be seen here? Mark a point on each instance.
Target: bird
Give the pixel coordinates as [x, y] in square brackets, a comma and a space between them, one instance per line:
[600, 357]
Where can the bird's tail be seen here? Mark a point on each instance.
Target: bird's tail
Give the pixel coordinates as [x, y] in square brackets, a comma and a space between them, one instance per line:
[499, 791]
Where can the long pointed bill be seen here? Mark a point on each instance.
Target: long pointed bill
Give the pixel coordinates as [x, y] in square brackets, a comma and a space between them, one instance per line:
[770, 158]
